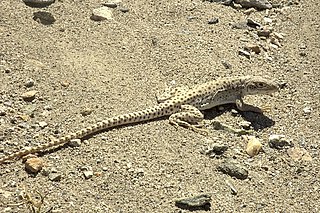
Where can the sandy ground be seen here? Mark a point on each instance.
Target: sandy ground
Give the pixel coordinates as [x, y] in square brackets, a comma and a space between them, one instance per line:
[119, 66]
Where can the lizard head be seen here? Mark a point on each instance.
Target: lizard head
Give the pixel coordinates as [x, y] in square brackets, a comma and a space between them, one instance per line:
[258, 85]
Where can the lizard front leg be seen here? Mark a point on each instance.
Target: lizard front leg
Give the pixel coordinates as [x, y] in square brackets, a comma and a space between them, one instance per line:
[189, 117]
[246, 107]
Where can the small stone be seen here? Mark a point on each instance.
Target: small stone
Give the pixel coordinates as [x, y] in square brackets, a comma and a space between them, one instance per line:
[215, 149]
[297, 154]
[267, 20]
[213, 21]
[55, 176]
[29, 83]
[110, 4]
[88, 174]
[278, 141]
[74, 143]
[42, 124]
[244, 53]
[104, 169]
[254, 48]
[86, 111]
[264, 32]
[306, 110]
[200, 202]
[102, 13]
[124, 9]
[43, 17]
[29, 96]
[234, 191]
[226, 64]
[38, 3]
[253, 146]
[2, 112]
[34, 165]
[245, 124]
[233, 169]
[252, 23]
[249, 11]
[7, 70]
[259, 4]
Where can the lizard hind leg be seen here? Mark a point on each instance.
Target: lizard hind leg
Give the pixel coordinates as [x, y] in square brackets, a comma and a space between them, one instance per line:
[189, 117]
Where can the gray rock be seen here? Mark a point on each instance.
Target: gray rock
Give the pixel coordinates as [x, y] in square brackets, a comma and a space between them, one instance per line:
[74, 143]
[38, 3]
[258, 4]
[29, 83]
[88, 174]
[199, 202]
[213, 21]
[279, 141]
[233, 169]
[2, 112]
[55, 176]
[110, 4]
[215, 149]
[244, 53]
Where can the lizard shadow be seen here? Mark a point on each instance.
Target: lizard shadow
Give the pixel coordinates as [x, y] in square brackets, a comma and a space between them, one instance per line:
[258, 121]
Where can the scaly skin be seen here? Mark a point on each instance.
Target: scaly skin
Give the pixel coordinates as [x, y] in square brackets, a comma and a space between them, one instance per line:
[183, 106]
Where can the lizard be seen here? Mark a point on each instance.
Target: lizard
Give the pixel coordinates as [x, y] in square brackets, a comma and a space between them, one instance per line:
[183, 106]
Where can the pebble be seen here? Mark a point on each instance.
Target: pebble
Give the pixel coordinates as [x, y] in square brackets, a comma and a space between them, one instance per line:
[253, 146]
[252, 23]
[245, 124]
[215, 149]
[254, 48]
[234, 191]
[226, 64]
[2, 112]
[88, 174]
[102, 13]
[267, 20]
[213, 21]
[38, 3]
[42, 124]
[124, 9]
[74, 143]
[306, 110]
[55, 176]
[233, 169]
[249, 11]
[278, 141]
[297, 154]
[86, 111]
[244, 53]
[29, 96]
[199, 202]
[259, 4]
[264, 32]
[34, 165]
[44, 18]
[110, 4]
[29, 83]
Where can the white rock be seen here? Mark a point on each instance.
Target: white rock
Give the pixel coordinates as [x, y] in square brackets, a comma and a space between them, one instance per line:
[102, 13]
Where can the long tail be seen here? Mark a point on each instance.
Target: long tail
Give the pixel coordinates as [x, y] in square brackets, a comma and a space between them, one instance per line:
[160, 110]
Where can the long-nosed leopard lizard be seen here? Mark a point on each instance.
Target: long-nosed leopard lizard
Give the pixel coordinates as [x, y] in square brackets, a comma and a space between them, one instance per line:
[183, 106]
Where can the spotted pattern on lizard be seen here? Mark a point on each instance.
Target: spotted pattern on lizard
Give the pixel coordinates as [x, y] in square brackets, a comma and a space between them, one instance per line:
[182, 106]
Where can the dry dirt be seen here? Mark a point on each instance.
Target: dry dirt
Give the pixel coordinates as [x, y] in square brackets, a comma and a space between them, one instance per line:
[119, 66]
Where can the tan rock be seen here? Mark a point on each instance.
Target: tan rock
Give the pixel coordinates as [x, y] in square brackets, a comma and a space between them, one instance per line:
[34, 165]
[29, 96]
[253, 146]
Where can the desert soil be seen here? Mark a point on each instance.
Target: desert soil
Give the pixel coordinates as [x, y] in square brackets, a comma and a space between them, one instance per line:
[117, 66]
